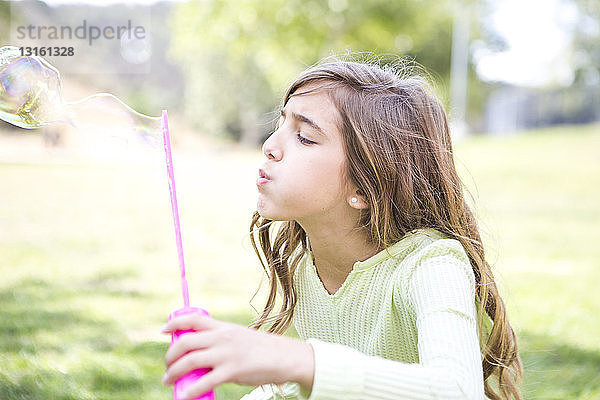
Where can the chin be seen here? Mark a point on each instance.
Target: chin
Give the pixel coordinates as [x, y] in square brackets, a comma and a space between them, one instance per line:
[267, 215]
[262, 207]
[266, 210]
[263, 212]
[270, 215]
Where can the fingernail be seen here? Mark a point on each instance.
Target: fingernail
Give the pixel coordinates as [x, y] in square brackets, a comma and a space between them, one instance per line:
[164, 329]
[164, 379]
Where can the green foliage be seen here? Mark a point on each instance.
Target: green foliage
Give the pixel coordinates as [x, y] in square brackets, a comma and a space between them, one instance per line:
[239, 56]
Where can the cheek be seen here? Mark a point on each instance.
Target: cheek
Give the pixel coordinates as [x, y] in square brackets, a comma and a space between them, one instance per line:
[319, 179]
[306, 180]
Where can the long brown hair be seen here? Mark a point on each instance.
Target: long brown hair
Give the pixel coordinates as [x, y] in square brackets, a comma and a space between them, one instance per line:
[399, 154]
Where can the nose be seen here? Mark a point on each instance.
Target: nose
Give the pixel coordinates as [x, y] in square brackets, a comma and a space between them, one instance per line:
[270, 149]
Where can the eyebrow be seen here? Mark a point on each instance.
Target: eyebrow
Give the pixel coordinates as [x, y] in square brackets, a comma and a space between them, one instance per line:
[305, 119]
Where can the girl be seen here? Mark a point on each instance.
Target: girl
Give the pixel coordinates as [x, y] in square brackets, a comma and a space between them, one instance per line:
[378, 257]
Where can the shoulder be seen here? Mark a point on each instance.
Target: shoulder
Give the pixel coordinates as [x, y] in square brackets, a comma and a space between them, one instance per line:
[430, 244]
[435, 257]
[439, 250]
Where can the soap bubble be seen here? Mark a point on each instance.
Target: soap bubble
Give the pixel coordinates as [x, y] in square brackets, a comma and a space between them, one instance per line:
[31, 97]
[29, 89]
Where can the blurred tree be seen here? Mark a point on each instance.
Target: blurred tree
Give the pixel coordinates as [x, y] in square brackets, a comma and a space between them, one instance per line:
[238, 56]
[4, 22]
[586, 43]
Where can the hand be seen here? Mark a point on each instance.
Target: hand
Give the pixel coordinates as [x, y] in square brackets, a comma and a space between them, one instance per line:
[236, 354]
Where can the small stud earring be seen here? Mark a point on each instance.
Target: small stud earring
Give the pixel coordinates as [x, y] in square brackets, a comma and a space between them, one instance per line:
[354, 200]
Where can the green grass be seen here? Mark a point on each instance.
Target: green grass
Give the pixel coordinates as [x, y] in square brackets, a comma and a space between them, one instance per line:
[539, 199]
[89, 268]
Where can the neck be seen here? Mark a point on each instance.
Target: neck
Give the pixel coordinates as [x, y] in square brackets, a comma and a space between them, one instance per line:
[336, 246]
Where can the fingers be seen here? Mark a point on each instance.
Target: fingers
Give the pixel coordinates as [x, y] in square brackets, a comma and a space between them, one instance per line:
[189, 362]
[208, 382]
[186, 343]
[190, 321]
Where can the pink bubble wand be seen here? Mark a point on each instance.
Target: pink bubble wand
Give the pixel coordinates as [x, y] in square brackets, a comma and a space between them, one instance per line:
[174, 207]
[191, 377]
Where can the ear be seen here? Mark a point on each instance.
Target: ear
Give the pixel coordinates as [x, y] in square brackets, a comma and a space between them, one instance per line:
[357, 200]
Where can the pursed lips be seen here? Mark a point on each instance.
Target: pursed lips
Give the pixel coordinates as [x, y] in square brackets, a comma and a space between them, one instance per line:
[263, 178]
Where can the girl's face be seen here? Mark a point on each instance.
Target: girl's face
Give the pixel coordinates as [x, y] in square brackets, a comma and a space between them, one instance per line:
[305, 161]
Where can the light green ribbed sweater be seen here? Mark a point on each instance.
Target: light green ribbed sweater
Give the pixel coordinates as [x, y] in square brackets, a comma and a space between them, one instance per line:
[402, 326]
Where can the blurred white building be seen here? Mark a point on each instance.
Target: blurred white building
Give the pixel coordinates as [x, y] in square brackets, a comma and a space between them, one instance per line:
[512, 108]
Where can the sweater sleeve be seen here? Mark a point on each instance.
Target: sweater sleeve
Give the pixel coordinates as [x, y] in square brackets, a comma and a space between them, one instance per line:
[289, 390]
[441, 290]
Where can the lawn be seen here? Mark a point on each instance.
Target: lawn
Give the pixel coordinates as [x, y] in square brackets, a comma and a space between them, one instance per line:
[89, 267]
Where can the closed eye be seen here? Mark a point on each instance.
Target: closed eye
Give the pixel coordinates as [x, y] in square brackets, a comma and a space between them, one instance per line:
[304, 140]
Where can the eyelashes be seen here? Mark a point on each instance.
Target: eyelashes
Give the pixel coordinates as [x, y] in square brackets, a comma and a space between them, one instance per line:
[303, 140]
